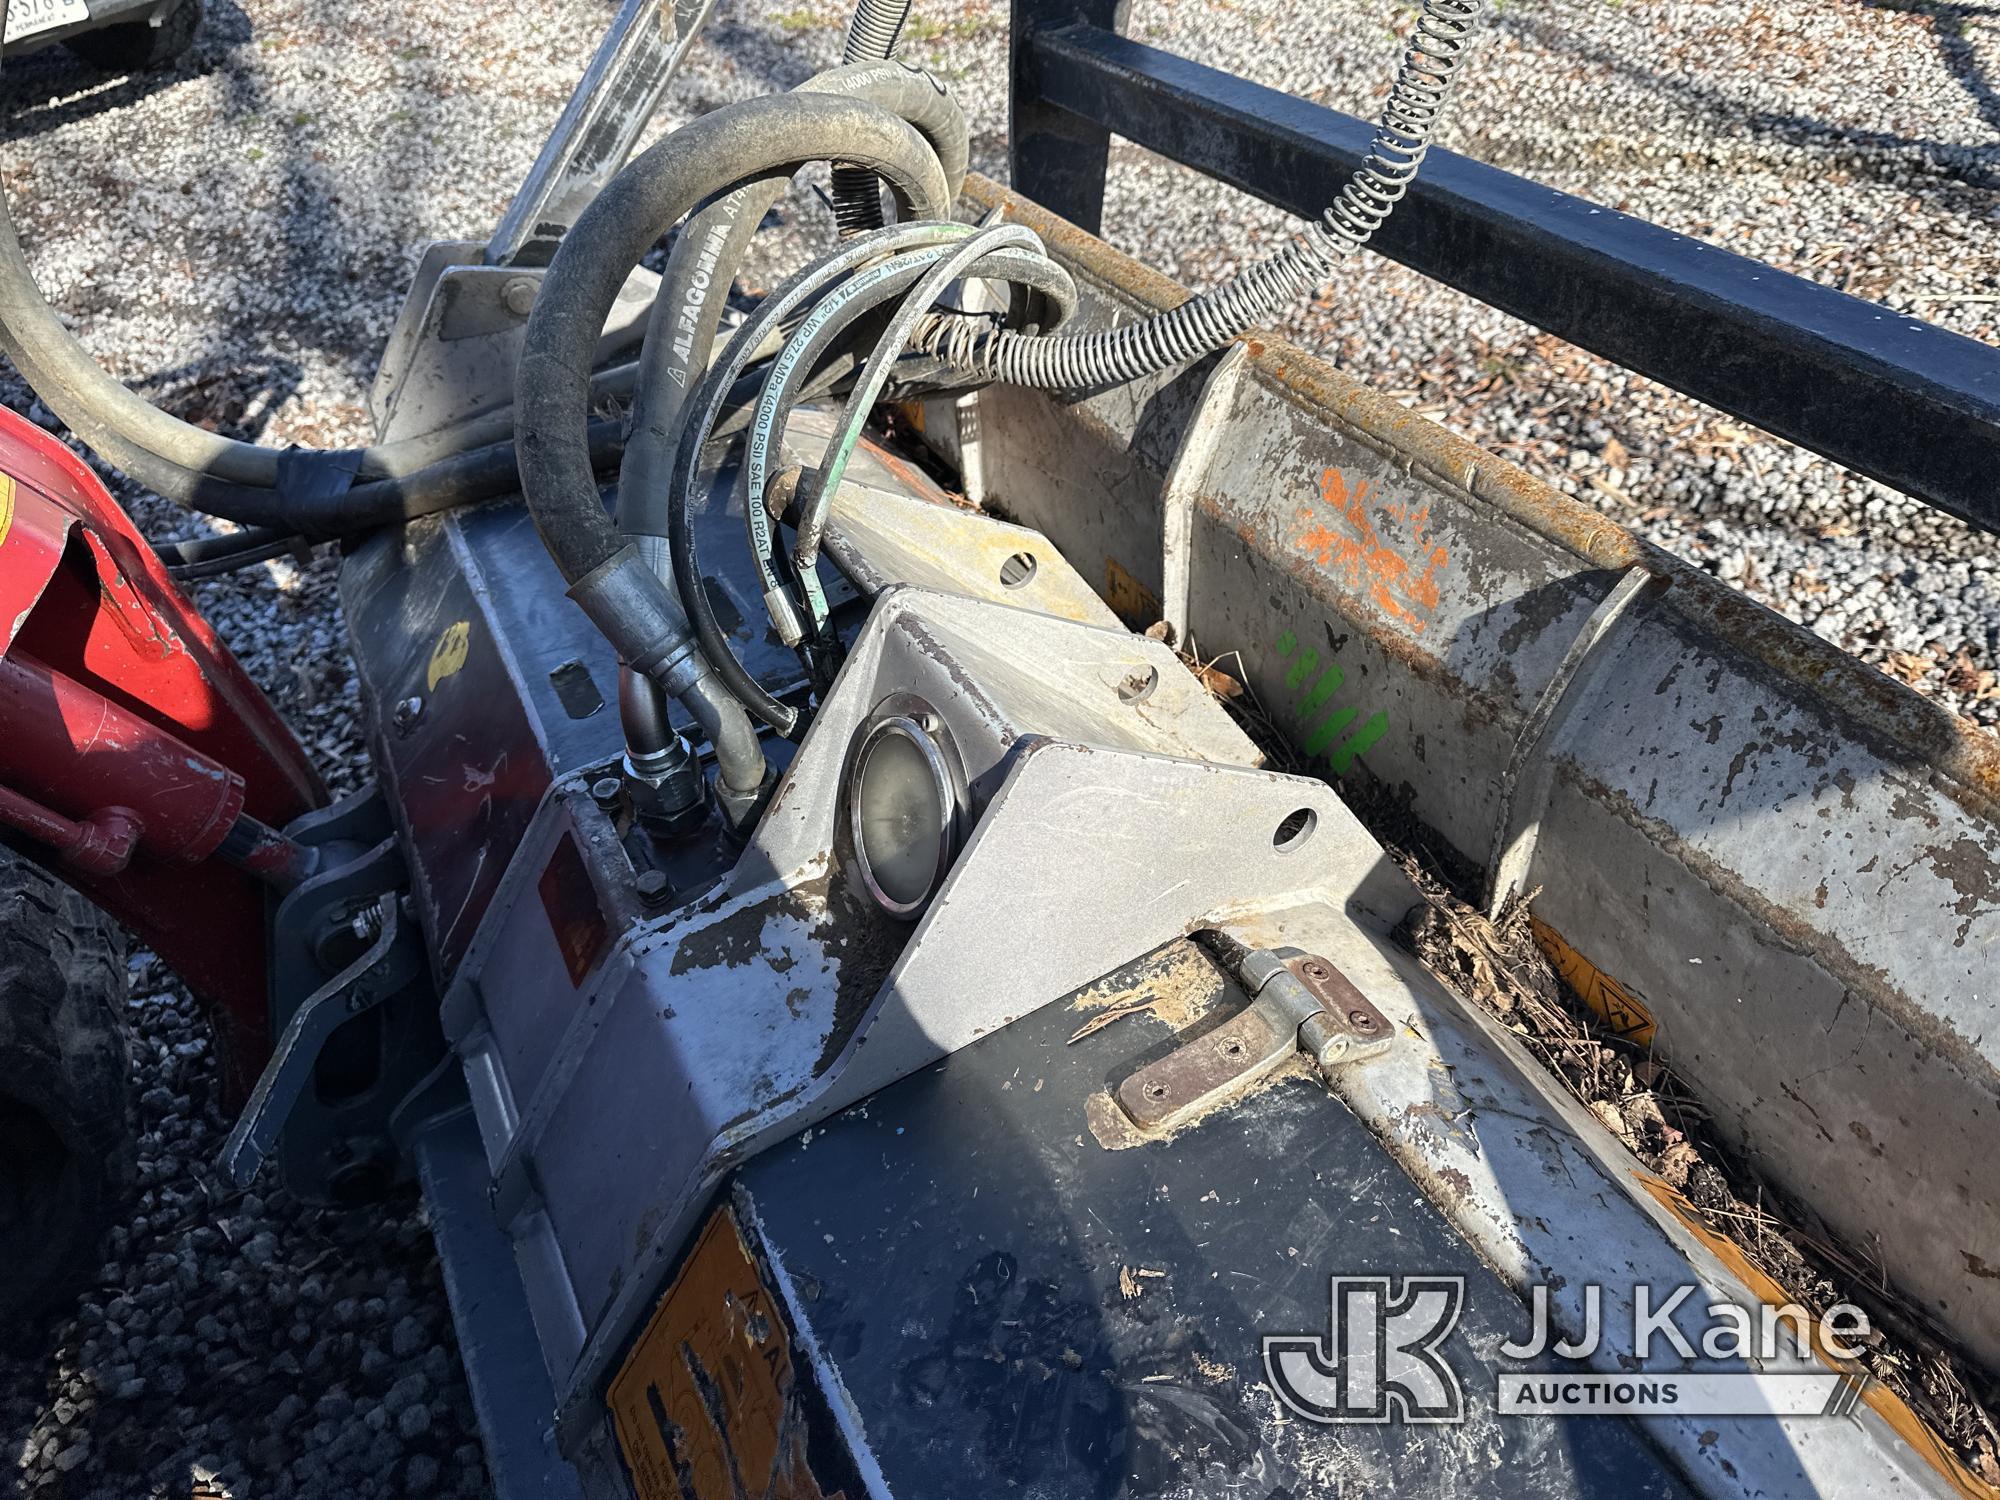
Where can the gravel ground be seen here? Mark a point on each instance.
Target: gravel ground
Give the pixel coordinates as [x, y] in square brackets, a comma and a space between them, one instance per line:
[232, 237]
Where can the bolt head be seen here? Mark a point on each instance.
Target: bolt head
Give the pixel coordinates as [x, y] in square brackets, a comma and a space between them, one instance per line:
[518, 295]
[606, 790]
[1360, 1020]
[653, 887]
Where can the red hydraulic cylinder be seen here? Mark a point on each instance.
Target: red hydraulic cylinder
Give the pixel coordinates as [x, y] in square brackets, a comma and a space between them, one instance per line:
[78, 753]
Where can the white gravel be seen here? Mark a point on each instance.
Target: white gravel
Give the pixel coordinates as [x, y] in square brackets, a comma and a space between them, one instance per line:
[233, 237]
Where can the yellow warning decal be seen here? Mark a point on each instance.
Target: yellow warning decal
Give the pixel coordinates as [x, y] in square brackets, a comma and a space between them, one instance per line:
[6, 505]
[449, 654]
[1618, 1006]
[705, 1406]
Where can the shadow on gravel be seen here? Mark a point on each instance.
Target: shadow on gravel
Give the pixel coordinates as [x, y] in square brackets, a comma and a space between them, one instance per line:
[1948, 25]
[1880, 155]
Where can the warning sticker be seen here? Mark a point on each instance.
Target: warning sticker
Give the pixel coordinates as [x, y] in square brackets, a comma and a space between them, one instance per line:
[707, 1405]
[1620, 1009]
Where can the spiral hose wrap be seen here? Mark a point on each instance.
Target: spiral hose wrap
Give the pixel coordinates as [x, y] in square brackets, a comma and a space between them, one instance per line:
[1437, 47]
[872, 33]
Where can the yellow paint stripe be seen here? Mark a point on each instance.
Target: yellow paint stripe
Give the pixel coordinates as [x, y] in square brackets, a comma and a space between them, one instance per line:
[1886, 1404]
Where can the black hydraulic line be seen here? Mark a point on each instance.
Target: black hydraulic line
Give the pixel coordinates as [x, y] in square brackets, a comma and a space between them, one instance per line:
[256, 545]
[635, 608]
[741, 142]
[201, 549]
[702, 266]
[699, 418]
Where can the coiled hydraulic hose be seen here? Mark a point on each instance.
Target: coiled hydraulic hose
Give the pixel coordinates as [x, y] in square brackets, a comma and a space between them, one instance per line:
[744, 142]
[702, 266]
[1437, 47]
[1010, 253]
[1010, 250]
[702, 410]
[872, 33]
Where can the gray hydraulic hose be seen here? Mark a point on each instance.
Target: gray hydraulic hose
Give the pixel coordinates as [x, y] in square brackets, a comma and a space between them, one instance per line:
[1436, 49]
[627, 600]
[872, 33]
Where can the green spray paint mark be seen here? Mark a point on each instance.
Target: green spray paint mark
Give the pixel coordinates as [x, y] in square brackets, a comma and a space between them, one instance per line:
[1366, 735]
[1324, 738]
[1328, 684]
[1333, 726]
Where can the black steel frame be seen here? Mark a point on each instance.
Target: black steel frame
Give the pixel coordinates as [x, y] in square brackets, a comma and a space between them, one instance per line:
[1889, 396]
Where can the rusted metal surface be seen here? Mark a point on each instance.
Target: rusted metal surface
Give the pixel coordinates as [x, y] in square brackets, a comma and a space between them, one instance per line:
[1786, 859]
[1299, 1003]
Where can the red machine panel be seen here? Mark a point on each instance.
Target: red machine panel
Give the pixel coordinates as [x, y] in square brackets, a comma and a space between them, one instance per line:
[86, 604]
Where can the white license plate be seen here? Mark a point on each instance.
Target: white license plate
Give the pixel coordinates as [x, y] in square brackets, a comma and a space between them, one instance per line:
[26, 17]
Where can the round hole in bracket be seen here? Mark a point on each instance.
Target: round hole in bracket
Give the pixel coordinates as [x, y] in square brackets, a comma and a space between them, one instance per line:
[1233, 1048]
[1137, 685]
[1018, 569]
[1295, 831]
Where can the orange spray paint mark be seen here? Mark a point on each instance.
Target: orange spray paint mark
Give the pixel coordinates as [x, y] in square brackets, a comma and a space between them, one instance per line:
[1342, 537]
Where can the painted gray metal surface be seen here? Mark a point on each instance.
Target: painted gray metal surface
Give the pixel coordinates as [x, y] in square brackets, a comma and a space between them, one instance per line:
[1790, 861]
[1104, 827]
[452, 353]
[1548, 1196]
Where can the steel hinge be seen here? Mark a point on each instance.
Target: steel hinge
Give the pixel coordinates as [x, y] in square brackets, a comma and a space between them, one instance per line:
[1299, 1003]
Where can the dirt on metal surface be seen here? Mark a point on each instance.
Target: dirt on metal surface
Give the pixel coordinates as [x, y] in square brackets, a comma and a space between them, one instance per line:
[1939, 1400]
[1659, 1118]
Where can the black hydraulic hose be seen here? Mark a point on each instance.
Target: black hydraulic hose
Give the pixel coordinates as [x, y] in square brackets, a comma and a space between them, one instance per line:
[872, 33]
[709, 156]
[987, 247]
[739, 758]
[701, 413]
[244, 482]
[634, 607]
[702, 266]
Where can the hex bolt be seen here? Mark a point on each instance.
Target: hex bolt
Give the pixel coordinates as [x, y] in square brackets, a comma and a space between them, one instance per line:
[606, 792]
[653, 887]
[405, 716]
[518, 295]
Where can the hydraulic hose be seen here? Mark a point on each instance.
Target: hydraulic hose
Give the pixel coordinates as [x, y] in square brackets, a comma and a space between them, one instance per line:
[746, 142]
[960, 261]
[706, 405]
[742, 142]
[1436, 49]
[243, 482]
[872, 33]
[1007, 252]
[702, 266]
